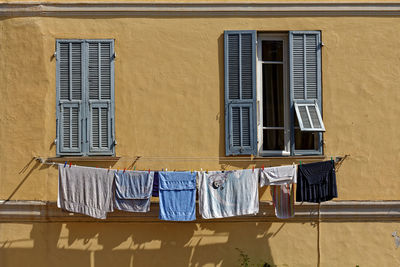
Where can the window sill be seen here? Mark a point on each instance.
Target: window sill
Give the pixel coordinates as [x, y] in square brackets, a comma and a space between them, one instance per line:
[84, 159]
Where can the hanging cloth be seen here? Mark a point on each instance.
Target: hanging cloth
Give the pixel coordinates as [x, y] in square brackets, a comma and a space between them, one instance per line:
[156, 185]
[281, 180]
[85, 190]
[133, 190]
[316, 182]
[283, 199]
[278, 175]
[177, 192]
[229, 193]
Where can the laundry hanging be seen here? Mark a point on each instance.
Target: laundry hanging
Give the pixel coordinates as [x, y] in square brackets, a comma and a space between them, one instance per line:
[177, 192]
[281, 180]
[278, 175]
[283, 200]
[229, 193]
[85, 190]
[316, 182]
[133, 190]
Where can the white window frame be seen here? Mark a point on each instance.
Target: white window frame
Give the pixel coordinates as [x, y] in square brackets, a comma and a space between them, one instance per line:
[287, 122]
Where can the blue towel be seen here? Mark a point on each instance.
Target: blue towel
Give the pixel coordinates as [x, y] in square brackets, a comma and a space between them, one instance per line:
[133, 190]
[177, 196]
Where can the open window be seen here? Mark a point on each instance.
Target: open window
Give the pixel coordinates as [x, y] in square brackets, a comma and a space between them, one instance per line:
[274, 81]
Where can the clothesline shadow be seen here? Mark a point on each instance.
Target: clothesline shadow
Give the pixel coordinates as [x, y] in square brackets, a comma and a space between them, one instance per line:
[170, 243]
[26, 172]
[101, 244]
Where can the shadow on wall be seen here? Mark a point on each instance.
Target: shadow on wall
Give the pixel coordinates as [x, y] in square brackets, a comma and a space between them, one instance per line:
[136, 244]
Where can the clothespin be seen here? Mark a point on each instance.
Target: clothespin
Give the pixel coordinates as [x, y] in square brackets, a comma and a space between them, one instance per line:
[300, 162]
[191, 170]
[65, 164]
[162, 169]
[70, 164]
[206, 170]
[166, 169]
[263, 167]
[134, 168]
[117, 170]
[124, 170]
[331, 158]
[149, 170]
[109, 168]
[253, 168]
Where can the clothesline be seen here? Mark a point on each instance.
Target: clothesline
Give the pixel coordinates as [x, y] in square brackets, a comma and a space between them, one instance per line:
[166, 158]
[338, 160]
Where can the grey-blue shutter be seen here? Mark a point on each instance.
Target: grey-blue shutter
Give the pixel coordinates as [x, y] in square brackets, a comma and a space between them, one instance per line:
[305, 72]
[100, 86]
[240, 92]
[69, 97]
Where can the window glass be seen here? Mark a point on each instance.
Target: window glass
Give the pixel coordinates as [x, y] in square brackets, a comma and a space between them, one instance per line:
[273, 100]
[272, 50]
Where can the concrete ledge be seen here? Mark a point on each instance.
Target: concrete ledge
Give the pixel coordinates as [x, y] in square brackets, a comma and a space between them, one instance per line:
[332, 211]
[200, 9]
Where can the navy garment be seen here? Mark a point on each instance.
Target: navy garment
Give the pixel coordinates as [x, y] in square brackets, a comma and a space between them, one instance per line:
[155, 185]
[316, 182]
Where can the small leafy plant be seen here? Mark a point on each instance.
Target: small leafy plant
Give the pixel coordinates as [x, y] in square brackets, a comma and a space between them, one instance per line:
[244, 260]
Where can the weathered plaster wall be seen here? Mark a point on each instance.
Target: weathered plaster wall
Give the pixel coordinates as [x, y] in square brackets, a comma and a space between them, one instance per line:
[169, 95]
[169, 103]
[190, 244]
[172, 244]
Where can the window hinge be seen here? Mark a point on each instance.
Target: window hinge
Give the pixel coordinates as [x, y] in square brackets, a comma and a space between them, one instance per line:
[55, 55]
[114, 55]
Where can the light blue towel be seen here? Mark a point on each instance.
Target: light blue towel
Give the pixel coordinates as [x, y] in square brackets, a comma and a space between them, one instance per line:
[177, 196]
[133, 190]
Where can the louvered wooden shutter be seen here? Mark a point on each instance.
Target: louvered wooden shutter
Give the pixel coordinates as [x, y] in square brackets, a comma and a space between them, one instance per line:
[305, 81]
[69, 97]
[101, 97]
[240, 92]
[305, 66]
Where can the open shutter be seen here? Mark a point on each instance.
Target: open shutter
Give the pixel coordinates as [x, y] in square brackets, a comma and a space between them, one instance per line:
[240, 92]
[305, 81]
[309, 117]
[101, 97]
[69, 97]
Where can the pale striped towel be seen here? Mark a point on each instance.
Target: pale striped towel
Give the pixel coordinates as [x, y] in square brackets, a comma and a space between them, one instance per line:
[283, 199]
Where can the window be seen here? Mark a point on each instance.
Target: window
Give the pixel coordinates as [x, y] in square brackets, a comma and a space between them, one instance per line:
[85, 97]
[273, 93]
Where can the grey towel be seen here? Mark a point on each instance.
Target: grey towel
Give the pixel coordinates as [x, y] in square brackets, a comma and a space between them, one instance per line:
[85, 190]
[133, 190]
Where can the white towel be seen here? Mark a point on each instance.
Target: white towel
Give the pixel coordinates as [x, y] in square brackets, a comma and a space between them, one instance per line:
[85, 190]
[229, 193]
[278, 175]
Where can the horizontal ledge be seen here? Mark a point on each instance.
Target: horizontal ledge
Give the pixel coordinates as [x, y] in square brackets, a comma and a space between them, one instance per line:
[331, 211]
[199, 8]
[85, 159]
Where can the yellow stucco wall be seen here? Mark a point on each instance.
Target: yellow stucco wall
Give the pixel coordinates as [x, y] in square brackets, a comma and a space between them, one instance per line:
[169, 103]
[189, 244]
[169, 95]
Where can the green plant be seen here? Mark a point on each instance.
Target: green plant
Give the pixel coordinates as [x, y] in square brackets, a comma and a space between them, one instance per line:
[244, 260]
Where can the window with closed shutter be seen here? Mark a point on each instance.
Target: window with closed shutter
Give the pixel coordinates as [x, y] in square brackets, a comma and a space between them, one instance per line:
[85, 97]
